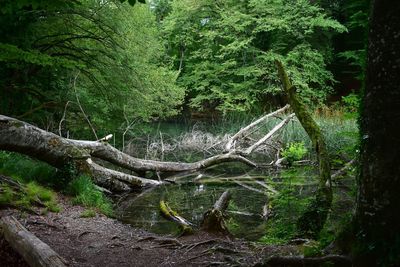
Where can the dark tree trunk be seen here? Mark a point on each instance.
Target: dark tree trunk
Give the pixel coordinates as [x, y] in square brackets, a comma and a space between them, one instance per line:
[377, 227]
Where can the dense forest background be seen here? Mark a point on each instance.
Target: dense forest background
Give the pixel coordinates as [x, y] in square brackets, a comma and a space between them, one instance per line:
[87, 68]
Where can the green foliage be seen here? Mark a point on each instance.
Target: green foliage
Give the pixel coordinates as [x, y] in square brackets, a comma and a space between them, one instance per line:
[294, 152]
[286, 208]
[84, 192]
[31, 194]
[225, 51]
[351, 105]
[106, 54]
[7, 195]
[25, 169]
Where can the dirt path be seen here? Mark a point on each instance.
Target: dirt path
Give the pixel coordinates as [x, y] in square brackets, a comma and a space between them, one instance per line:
[101, 241]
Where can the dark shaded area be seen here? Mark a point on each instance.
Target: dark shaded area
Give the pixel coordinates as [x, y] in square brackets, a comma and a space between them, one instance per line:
[8, 257]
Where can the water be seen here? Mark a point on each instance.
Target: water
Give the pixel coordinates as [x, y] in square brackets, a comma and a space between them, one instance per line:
[194, 194]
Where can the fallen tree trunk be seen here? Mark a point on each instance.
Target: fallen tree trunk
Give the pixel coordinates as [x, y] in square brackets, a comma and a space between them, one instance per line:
[19, 136]
[35, 252]
[213, 219]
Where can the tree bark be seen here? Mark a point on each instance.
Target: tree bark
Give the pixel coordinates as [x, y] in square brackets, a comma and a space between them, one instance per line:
[213, 219]
[35, 252]
[377, 221]
[312, 221]
[19, 136]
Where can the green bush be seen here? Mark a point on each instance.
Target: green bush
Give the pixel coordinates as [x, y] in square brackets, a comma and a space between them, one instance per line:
[86, 193]
[294, 152]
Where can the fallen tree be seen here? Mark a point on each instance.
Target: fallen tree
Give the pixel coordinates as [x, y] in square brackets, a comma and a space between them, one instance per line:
[35, 252]
[22, 137]
[312, 221]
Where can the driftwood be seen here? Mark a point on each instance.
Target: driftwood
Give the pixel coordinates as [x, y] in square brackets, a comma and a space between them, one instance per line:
[213, 219]
[35, 252]
[173, 216]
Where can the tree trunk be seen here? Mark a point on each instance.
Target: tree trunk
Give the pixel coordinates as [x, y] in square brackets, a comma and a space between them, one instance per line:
[19, 136]
[33, 250]
[213, 219]
[312, 221]
[377, 227]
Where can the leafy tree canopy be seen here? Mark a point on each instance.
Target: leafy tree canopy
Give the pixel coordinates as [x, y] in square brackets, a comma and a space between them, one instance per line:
[225, 50]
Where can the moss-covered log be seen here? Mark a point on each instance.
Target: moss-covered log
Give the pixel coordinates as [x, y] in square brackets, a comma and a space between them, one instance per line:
[173, 216]
[312, 221]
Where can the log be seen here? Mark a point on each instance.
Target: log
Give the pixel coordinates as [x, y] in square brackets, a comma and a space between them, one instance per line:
[22, 137]
[213, 219]
[173, 216]
[279, 126]
[35, 252]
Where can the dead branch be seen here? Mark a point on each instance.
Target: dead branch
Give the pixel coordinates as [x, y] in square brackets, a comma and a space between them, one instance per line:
[242, 132]
[250, 149]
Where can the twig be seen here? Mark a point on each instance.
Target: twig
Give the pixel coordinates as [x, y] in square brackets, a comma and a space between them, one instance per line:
[81, 108]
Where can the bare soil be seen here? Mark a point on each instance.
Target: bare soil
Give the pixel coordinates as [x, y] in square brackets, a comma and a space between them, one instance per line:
[102, 241]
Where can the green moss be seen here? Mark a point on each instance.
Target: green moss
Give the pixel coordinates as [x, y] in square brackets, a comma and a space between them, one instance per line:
[88, 214]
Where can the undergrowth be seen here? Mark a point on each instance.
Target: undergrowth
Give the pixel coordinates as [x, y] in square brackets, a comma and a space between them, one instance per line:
[29, 195]
[85, 193]
[35, 175]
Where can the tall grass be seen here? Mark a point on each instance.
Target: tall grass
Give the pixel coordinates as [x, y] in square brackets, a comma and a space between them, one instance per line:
[85, 193]
[204, 139]
[26, 169]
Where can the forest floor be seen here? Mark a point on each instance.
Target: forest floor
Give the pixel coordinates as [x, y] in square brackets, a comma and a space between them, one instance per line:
[103, 241]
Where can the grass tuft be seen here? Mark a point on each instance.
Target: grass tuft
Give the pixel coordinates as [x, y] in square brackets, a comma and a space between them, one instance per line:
[85, 193]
